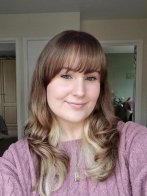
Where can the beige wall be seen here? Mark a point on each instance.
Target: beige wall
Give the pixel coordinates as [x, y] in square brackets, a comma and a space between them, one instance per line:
[124, 30]
[22, 25]
[46, 25]
[32, 25]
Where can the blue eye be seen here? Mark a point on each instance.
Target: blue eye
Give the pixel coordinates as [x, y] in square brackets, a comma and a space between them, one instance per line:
[66, 76]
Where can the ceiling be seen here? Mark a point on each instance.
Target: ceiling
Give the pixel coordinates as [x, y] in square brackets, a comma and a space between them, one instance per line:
[89, 9]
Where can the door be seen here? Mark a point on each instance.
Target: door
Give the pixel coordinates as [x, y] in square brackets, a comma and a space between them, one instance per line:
[8, 94]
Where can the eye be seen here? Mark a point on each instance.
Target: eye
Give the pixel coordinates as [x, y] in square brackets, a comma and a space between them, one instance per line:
[66, 76]
[91, 78]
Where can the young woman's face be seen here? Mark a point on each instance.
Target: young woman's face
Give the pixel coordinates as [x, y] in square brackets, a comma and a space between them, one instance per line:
[72, 96]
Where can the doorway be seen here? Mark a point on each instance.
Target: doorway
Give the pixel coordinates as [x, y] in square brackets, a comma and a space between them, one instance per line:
[8, 105]
[131, 50]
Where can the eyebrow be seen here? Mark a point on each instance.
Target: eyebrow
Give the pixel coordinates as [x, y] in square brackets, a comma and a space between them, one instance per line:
[71, 69]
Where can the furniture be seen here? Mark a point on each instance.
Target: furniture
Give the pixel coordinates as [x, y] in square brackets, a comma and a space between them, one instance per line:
[5, 142]
[3, 126]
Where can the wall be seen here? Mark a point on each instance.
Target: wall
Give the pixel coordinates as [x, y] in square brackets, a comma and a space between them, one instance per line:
[32, 25]
[121, 74]
[46, 25]
[106, 30]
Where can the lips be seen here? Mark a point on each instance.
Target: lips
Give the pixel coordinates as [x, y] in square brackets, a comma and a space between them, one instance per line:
[76, 105]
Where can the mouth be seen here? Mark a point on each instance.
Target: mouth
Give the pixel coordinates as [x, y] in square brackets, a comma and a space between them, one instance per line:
[76, 105]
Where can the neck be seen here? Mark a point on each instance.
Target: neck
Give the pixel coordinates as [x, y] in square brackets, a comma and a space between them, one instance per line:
[71, 131]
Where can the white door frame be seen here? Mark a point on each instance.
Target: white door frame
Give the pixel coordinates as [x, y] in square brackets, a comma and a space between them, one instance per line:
[138, 92]
[27, 42]
[18, 81]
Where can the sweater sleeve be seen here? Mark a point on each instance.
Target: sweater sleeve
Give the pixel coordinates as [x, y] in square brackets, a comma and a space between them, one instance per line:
[137, 160]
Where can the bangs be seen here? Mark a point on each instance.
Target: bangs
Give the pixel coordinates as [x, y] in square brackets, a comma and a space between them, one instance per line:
[82, 58]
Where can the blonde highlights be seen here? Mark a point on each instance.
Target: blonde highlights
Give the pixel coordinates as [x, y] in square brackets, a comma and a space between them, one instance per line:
[80, 52]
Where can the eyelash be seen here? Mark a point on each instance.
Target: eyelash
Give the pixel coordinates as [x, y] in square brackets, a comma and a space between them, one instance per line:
[89, 78]
[66, 76]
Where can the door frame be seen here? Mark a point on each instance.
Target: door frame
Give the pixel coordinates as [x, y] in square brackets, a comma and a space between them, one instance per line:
[27, 42]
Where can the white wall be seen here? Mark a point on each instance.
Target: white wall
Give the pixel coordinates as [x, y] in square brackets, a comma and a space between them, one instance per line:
[32, 25]
[106, 30]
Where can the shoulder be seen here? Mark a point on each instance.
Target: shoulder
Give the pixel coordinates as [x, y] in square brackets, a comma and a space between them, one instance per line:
[17, 170]
[133, 141]
[16, 157]
[130, 127]
[21, 144]
[19, 157]
[17, 151]
[133, 155]
[131, 132]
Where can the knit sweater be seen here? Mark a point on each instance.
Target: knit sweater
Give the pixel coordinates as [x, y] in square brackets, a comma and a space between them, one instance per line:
[17, 168]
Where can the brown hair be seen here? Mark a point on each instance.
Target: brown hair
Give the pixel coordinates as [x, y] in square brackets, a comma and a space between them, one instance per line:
[83, 53]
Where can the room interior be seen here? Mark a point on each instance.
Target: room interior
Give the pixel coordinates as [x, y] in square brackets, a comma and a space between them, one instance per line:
[29, 27]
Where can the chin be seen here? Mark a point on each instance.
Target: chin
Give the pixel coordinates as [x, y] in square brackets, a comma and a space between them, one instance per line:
[76, 120]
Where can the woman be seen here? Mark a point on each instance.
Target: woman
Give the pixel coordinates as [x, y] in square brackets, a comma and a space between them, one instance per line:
[74, 145]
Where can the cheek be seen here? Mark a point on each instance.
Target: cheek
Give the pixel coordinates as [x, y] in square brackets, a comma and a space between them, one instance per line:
[54, 92]
[49, 97]
[94, 92]
[50, 94]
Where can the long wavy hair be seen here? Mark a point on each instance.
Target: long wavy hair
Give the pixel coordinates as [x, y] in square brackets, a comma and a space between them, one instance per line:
[101, 138]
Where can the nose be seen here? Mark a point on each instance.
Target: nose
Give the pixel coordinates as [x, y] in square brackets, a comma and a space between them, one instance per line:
[79, 87]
